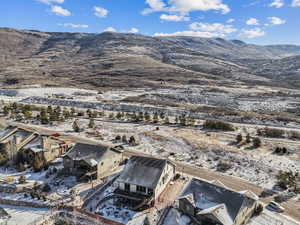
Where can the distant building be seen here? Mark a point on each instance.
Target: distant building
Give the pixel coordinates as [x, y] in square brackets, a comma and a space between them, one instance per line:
[18, 145]
[43, 148]
[143, 180]
[210, 204]
[92, 161]
[12, 139]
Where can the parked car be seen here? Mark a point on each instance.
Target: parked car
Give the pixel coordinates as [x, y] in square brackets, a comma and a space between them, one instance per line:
[273, 206]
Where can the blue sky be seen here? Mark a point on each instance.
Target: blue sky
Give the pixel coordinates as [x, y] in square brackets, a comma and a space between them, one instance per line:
[254, 21]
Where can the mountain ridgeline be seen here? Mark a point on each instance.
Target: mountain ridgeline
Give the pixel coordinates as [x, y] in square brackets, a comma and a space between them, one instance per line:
[131, 60]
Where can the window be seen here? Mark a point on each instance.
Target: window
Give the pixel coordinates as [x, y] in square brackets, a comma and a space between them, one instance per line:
[141, 189]
[127, 187]
[150, 191]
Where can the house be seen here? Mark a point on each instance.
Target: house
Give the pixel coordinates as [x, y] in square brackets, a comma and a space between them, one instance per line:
[143, 180]
[42, 150]
[12, 139]
[19, 145]
[4, 216]
[92, 161]
[210, 204]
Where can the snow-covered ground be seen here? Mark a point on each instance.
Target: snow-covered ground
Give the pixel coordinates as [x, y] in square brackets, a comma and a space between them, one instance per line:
[24, 215]
[194, 147]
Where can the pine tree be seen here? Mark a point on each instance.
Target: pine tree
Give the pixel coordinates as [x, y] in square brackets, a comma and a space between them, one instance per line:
[239, 138]
[256, 142]
[248, 138]
[166, 121]
[75, 126]
[49, 109]
[124, 139]
[89, 113]
[111, 116]
[147, 116]
[22, 179]
[119, 116]
[92, 123]
[155, 118]
[73, 112]
[6, 110]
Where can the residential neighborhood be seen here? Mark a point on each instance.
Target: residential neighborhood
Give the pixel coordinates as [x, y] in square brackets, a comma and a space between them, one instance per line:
[89, 182]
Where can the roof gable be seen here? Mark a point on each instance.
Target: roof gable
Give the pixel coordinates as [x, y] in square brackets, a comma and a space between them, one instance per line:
[207, 195]
[87, 152]
[143, 171]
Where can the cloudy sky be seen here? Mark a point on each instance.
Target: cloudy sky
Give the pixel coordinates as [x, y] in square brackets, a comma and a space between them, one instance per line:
[254, 21]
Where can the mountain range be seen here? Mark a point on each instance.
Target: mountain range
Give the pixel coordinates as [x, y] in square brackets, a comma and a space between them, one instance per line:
[132, 60]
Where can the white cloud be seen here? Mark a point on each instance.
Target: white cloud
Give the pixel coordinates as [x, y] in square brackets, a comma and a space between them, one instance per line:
[110, 29]
[217, 28]
[58, 10]
[204, 30]
[276, 20]
[75, 26]
[296, 3]
[252, 33]
[133, 30]
[174, 18]
[184, 7]
[190, 33]
[48, 2]
[230, 20]
[100, 12]
[277, 3]
[155, 6]
[252, 22]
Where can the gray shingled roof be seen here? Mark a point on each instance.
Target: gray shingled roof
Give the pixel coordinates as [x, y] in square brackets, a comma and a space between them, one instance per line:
[3, 214]
[21, 133]
[143, 171]
[87, 152]
[207, 195]
[7, 130]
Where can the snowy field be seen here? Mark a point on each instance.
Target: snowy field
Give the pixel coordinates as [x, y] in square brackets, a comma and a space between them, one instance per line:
[24, 215]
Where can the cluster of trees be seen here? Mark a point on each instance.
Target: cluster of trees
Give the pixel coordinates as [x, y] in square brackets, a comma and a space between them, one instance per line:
[281, 151]
[124, 139]
[289, 180]
[151, 118]
[223, 166]
[278, 133]
[218, 125]
[271, 132]
[48, 114]
[15, 110]
[248, 139]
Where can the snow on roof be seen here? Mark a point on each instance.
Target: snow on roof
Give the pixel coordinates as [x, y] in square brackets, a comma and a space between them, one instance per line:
[6, 131]
[220, 212]
[143, 171]
[218, 183]
[189, 197]
[250, 194]
[91, 154]
[20, 133]
[207, 195]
